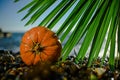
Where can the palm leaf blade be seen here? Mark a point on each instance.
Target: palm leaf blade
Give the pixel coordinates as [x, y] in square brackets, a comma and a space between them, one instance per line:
[37, 5]
[89, 36]
[70, 17]
[53, 13]
[77, 18]
[112, 30]
[73, 38]
[28, 5]
[37, 14]
[100, 38]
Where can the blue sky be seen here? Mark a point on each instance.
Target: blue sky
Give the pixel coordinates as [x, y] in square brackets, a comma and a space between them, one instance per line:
[10, 20]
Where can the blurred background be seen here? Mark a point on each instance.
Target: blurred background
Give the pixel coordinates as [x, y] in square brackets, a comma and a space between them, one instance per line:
[11, 26]
[10, 20]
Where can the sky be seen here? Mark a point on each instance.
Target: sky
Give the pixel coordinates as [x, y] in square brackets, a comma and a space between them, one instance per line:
[10, 20]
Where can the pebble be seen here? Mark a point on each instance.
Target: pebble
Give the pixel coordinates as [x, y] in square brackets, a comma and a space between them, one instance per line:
[13, 68]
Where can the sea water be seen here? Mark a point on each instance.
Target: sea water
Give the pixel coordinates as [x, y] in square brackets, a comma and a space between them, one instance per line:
[11, 43]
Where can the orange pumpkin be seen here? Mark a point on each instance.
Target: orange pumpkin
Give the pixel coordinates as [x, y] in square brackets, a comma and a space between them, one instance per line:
[39, 44]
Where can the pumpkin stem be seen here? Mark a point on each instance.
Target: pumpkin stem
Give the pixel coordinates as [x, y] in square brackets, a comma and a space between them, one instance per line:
[37, 48]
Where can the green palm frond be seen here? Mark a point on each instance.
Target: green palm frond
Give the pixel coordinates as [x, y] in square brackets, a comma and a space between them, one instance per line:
[92, 21]
[16, 0]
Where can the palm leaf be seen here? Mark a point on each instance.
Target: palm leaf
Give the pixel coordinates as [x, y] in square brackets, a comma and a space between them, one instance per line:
[16, 0]
[118, 40]
[92, 21]
[54, 12]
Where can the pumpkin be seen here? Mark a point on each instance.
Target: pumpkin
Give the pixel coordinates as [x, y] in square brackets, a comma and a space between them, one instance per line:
[39, 44]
